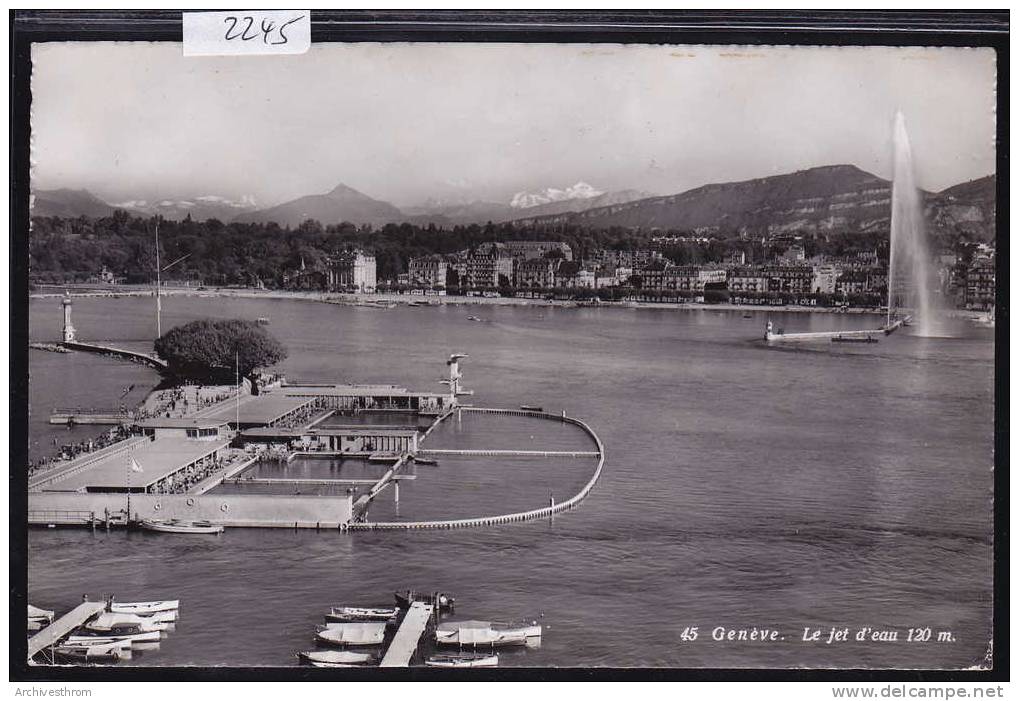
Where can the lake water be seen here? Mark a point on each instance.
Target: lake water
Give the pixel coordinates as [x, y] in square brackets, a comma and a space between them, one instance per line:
[784, 488]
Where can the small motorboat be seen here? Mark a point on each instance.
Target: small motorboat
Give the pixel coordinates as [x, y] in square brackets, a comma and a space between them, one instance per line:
[748, 316]
[335, 657]
[131, 623]
[463, 660]
[175, 526]
[152, 636]
[485, 633]
[144, 608]
[528, 407]
[332, 664]
[365, 633]
[474, 318]
[110, 652]
[426, 461]
[441, 601]
[353, 614]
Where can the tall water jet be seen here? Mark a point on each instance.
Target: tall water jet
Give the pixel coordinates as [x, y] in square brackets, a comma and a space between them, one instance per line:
[910, 269]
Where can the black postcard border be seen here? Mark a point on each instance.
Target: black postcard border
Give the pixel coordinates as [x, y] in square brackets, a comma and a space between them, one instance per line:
[827, 28]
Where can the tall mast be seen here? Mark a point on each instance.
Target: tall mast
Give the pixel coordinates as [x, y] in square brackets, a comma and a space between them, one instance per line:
[159, 301]
[237, 376]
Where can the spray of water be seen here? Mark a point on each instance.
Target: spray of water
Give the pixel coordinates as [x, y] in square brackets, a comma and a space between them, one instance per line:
[910, 268]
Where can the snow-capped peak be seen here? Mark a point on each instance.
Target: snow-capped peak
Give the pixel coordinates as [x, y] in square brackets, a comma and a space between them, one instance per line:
[580, 191]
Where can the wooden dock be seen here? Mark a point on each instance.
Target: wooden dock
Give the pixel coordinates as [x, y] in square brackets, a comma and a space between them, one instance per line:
[518, 453]
[63, 626]
[297, 481]
[405, 642]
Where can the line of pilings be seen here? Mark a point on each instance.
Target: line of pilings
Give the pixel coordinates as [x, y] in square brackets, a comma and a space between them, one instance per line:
[521, 516]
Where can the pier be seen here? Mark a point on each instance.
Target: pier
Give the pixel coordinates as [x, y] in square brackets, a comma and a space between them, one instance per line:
[296, 481]
[63, 626]
[405, 642]
[851, 334]
[112, 352]
[519, 453]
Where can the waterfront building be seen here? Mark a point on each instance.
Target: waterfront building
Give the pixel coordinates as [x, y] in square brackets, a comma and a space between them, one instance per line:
[743, 279]
[352, 271]
[980, 284]
[851, 282]
[139, 465]
[825, 277]
[487, 266]
[795, 279]
[428, 271]
[537, 273]
[529, 250]
[187, 427]
[570, 275]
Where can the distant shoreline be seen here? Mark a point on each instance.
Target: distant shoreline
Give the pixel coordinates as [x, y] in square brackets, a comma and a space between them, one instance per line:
[348, 299]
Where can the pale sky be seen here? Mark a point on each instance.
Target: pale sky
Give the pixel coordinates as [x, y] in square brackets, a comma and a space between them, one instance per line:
[404, 122]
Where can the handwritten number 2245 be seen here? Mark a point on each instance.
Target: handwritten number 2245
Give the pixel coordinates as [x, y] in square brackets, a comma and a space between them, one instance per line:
[267, 28]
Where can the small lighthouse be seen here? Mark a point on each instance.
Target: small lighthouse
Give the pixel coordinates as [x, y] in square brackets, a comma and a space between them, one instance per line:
[68, 326]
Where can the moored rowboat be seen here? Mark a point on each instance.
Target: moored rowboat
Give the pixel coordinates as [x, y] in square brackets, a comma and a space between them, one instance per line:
[131, 623]
[144, 608]
[466, 660]
[151, 636]
[331, 657]
[36, 613]
[484, 633]
[352, 633]
[95, 653]
[175, 526]
[344, 614]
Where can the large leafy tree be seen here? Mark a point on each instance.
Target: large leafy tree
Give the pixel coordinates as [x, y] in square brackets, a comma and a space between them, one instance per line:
[213, 350]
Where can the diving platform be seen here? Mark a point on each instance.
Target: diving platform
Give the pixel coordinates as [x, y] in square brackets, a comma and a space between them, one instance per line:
[405, 642]
[63, 626]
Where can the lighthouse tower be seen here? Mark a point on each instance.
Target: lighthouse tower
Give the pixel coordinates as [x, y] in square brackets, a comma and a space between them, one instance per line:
[68, 326]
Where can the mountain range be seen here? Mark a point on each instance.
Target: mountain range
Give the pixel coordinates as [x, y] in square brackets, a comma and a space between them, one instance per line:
[822, 199]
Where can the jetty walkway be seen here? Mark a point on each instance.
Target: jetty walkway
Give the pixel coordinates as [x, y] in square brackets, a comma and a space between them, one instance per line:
[63, 626]
[111, 351]
[510, 453]
[405, 642]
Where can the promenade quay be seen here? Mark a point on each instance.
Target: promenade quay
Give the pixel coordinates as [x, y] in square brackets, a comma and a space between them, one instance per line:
[63, 626]
[405, 642]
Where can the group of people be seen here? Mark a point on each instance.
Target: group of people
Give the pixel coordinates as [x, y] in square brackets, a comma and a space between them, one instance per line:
[301, 417]
[182, 401]
[74, 450]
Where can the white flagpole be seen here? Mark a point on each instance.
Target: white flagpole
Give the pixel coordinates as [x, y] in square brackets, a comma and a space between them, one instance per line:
[237, 377]
[130, 469]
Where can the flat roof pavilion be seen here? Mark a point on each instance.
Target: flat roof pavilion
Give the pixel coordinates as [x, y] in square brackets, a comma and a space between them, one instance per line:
[158, 459]
[263, 410]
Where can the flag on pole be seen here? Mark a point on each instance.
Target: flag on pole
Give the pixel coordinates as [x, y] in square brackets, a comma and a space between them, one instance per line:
[135, 467]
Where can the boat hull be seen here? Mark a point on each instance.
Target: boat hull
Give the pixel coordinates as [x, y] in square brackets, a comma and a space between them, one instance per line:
[143, 608]
[181, 528]
[463, 662]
